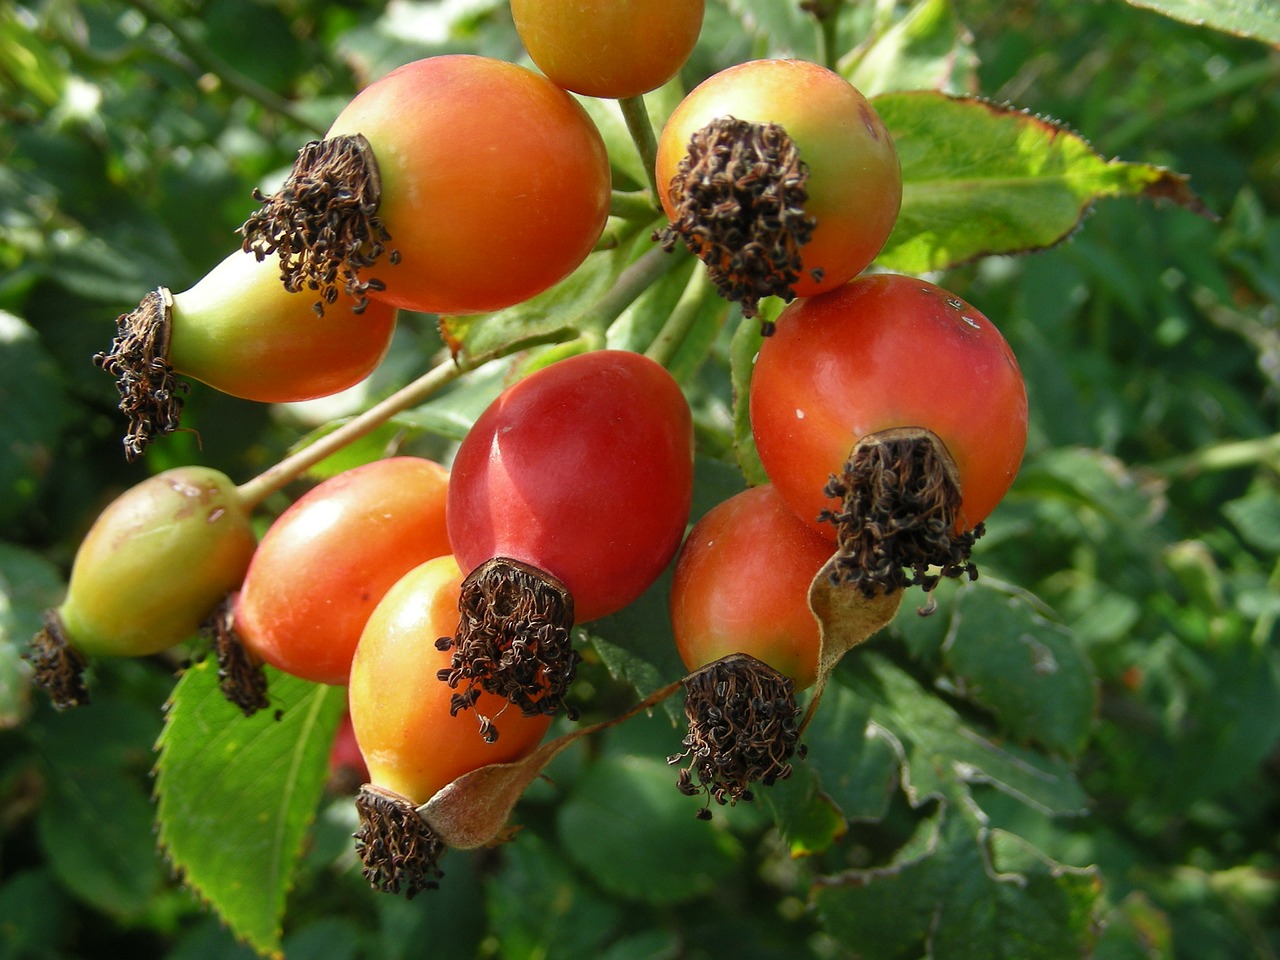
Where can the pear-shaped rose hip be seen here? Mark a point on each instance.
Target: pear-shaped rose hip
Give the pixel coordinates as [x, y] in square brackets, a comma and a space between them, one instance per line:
[153, 566]
[241, 332]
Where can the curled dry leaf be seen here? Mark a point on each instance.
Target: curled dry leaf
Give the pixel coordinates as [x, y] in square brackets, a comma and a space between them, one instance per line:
[846, 617]
[472, 810]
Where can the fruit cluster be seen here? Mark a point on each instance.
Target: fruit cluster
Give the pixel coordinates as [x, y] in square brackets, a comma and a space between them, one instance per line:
[889, 415]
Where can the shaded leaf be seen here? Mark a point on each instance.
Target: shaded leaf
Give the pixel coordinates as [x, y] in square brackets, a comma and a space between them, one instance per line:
[535, 900]
[657, 851]
[968, 891]
[981, 178]
[37, 411]
[943, 754]
[236, 795]
[1026, 669]
[95, 824]
[29, 585]
[784, 28]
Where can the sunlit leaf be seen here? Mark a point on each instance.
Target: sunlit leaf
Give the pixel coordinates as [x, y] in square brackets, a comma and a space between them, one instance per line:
[236, 795]
[1259, 19]
[928, 49]
[981, 178]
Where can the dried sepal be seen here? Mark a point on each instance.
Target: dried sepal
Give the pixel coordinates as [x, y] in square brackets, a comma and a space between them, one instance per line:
[241, 678]
[323, 223]
[151, 395]
[57, 667]
[739, 196]
[514, 639]
[900, 507]
[398, 850]
[743, 730]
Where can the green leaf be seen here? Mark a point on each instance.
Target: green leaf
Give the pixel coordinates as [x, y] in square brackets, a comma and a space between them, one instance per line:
[553, 316]
[783, 28]
[858, 762]
[536, 899]
[1257, 516]
[1258, 19]
[36, 411]
[1027, 670]
[962, 891]
[632, 831]
[29, 585]
[928, 49]
[943, 754]
[981, 178]
[236, 795]
[95, 823]
[806, 817]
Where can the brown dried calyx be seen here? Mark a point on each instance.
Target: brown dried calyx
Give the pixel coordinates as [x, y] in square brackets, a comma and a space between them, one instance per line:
[514, 639]
[58, 667]
[151, 395]
[323, 222]
[399, 851]
[896, 527]
[742, 730]
[740, 193]
[240, 678]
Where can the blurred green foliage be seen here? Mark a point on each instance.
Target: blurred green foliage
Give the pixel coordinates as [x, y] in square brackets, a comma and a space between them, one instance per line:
[1076, 756]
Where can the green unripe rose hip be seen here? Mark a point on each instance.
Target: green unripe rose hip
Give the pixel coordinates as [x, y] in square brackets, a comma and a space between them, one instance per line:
[153, 566]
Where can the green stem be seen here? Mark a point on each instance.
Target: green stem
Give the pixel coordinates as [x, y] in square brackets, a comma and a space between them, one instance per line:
[632, 205]
[1228, 455]
[254, 491]
[210, 62]
[631, 282]
[683, 316]
[641, 129]
[641, 274]
[827, 15]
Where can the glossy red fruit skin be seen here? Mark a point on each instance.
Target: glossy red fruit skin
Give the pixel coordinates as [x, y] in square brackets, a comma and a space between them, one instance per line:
[325, 562]
[741, 585]
[156, 563]
[583, 469]
[400, 710]
[855, 181]
[609, 48]
[495, 182]
[886, 351]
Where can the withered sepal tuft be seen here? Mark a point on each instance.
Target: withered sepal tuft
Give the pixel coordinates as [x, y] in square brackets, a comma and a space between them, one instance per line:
[151, 395]
[739, 196]
[900, 503]
[323, 223]
[514, 639]
[399, 851]
[242, 681]
[57, 667]
[743, 729]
